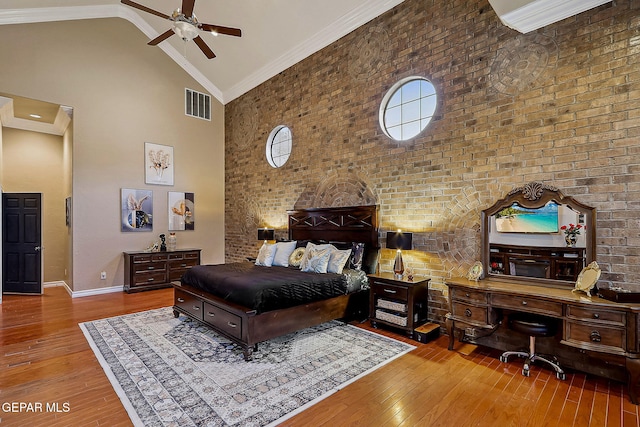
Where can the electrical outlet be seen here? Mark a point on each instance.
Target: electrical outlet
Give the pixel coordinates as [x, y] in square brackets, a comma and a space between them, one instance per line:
[103, 275]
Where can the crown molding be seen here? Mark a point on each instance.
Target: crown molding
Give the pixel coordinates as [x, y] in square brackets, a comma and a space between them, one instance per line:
[541, 13]
[340, 28]
[53, 14]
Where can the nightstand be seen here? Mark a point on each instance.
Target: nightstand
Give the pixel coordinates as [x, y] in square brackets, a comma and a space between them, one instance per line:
[398, 303]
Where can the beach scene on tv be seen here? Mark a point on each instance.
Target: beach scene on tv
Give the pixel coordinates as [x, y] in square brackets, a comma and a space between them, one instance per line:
[516, 219]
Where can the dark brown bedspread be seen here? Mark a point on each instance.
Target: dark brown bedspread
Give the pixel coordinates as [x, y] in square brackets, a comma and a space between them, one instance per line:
[264, 288]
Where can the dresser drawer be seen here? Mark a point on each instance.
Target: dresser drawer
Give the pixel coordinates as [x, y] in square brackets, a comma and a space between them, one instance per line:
[595, 337]
[612, 317]
[148, 278]
[188, 303]
[182, 264]
[385, 290]
[149, 266]
[470, 313]
[467, 295]
[533, 305]
[224, 321]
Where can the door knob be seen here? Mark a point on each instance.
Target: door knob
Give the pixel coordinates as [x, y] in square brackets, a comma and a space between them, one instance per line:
[37, 248]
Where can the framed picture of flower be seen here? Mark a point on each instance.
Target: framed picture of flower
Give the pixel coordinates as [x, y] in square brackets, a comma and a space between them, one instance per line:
[158, 164]
[181, 211]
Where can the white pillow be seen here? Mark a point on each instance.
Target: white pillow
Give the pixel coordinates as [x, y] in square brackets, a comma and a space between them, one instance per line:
[338, 260]
[318, 261]
[266, 254]
[283, 252]
[307, 253]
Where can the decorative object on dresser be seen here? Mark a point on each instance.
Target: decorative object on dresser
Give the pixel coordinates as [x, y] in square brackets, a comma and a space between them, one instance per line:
[588, 278]
[224, 296]
[398, 303]
[154, 270]
[596, 336]
[475, 271]
[400, 241]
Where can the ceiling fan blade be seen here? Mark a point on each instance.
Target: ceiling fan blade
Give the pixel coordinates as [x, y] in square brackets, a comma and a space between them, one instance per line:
[237, 32]
[187, 7]
[204, 48]
[145, 9]
[161, 37]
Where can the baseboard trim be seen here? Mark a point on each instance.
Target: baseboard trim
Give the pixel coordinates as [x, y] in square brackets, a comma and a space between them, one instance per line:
[99, 291]
[87, 293]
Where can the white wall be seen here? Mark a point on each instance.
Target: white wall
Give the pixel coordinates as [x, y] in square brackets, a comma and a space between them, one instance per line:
[123, 93]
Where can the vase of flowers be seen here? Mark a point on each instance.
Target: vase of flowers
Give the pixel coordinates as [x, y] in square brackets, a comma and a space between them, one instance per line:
[570, 234]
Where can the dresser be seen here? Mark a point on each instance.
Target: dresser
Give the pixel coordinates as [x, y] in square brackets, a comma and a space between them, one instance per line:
[398, 303]
[154, 270]
[593, 326]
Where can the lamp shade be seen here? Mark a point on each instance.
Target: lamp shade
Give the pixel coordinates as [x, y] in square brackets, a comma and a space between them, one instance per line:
[266, 234]
[399, 240]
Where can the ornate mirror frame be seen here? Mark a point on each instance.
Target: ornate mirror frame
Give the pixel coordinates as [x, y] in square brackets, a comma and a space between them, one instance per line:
[535, 195]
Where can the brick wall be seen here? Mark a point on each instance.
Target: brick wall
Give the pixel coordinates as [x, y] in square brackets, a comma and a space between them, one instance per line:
[559, 105]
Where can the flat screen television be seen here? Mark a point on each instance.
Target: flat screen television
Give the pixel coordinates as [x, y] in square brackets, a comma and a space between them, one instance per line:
[516, 219]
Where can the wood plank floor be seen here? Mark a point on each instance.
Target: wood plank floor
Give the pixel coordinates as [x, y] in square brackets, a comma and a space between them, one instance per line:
[46, 359]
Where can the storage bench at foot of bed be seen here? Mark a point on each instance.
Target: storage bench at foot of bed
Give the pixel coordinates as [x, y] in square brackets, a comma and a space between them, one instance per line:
[247, 328]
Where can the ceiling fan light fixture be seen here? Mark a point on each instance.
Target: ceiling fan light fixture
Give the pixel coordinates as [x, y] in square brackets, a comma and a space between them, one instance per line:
[185, 30]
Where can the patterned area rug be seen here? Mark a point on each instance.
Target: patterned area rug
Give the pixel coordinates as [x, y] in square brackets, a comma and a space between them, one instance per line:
[177, 372]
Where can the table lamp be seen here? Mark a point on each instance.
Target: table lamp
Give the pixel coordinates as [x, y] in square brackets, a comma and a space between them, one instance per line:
[399, 240]
[266, 234]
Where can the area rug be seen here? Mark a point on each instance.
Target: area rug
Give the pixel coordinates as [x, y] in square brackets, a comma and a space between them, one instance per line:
[177, 372]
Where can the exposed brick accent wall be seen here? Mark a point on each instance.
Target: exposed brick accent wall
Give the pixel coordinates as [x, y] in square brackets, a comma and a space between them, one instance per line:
[560, 105]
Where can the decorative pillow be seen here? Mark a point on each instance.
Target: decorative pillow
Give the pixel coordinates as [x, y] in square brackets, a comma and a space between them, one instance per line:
[307, 253]
[283, 251]
[357, 252]
[338, 260]
[296, 257]
[318, 261]
[266, 254]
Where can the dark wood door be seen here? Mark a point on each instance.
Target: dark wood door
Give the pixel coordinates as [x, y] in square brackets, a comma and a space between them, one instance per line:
[21, 243]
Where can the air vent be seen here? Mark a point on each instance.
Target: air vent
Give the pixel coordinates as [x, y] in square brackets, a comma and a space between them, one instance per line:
[197, 104]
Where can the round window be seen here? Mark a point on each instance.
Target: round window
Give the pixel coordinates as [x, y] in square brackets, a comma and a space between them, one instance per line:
[407, 108]
[279, 146]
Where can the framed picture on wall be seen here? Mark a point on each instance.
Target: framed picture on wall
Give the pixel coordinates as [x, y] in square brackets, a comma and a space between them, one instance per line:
[181, 211]
[158, 164]
[137, 210]
[67, 211]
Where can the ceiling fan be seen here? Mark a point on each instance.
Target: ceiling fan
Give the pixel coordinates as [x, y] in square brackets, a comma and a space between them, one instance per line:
[186, 26]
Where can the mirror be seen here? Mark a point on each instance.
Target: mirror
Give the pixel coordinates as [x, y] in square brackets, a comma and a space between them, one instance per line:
[528, 235]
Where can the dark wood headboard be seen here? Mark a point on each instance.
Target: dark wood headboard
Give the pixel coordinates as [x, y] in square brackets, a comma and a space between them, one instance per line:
[346, 224]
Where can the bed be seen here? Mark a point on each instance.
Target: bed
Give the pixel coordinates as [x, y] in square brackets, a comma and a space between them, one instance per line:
[240, 302]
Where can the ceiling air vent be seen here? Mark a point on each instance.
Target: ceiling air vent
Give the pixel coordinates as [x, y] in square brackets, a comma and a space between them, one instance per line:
[197, 104]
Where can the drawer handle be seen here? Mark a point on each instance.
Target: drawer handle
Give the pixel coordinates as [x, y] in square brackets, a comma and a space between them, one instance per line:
[211, 314]
[150, 268]
[151, 279]
[467, 295]
[596, 316]
[180, 299]
[231, 324]
[196, 308]
[467, 312]
[389, 291]
[595, 336]
[524, 303]
[183, 265]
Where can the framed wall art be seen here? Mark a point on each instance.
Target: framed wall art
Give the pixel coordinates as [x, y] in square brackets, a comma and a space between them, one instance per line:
[137, 210]
[181, 211]
[158, 164]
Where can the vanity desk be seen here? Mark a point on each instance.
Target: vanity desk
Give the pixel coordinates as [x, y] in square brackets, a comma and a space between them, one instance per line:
[528, 268]
[595, 327]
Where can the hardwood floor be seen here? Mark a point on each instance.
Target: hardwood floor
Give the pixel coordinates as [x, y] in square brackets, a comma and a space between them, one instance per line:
[46, 359]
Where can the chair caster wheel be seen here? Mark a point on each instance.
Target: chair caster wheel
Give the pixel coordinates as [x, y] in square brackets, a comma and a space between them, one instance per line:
[503, 359]
[561, 376]
[525, 372]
